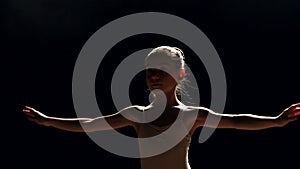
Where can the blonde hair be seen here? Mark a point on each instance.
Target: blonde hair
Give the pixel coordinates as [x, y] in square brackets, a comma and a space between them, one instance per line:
[175, 54]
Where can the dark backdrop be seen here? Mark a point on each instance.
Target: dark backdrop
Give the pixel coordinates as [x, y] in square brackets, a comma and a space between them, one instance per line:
[257, 42]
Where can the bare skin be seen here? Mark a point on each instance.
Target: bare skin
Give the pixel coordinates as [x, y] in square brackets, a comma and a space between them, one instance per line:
[158, 79]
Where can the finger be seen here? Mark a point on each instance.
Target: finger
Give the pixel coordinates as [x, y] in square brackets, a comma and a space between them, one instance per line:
[297, 113]
[293, 106]
[30, 114]
[296, 110]
[30, 108]
[293, 110]
[25, 110]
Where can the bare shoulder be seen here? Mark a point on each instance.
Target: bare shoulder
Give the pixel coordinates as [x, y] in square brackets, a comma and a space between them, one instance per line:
[197, 109]
[134, 108]
[197, 113]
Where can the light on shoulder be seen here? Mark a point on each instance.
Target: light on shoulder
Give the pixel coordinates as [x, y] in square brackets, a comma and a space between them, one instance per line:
[138, 107]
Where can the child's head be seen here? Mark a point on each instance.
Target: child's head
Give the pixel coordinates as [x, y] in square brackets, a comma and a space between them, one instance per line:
[165, 68]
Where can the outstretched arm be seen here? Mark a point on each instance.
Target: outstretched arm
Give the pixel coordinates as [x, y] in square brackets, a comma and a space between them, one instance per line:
[249, 121]
[79, 124]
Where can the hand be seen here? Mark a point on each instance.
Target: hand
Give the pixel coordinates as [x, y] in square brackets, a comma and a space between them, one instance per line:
[36, 116]
[288, 115]
[292, 111]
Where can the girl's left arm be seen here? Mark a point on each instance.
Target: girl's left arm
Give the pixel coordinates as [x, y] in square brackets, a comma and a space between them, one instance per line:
[248, 121]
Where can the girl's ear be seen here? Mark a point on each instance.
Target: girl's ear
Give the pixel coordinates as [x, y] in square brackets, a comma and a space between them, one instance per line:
[182, 73]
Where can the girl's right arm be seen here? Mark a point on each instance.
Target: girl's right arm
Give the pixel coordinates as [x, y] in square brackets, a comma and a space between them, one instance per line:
[113, 121]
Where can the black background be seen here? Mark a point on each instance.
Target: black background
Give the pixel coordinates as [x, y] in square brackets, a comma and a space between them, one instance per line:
[257, 41]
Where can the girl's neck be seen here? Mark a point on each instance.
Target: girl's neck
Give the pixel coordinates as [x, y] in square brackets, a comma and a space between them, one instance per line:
[167, 100]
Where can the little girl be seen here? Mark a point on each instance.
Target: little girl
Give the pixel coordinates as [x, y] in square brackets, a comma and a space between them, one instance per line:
[165, 68]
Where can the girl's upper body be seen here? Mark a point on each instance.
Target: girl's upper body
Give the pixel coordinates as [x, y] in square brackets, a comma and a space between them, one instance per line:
[164, 72]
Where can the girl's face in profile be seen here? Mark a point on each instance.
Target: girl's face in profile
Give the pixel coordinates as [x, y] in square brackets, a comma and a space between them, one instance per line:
[161, 73]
